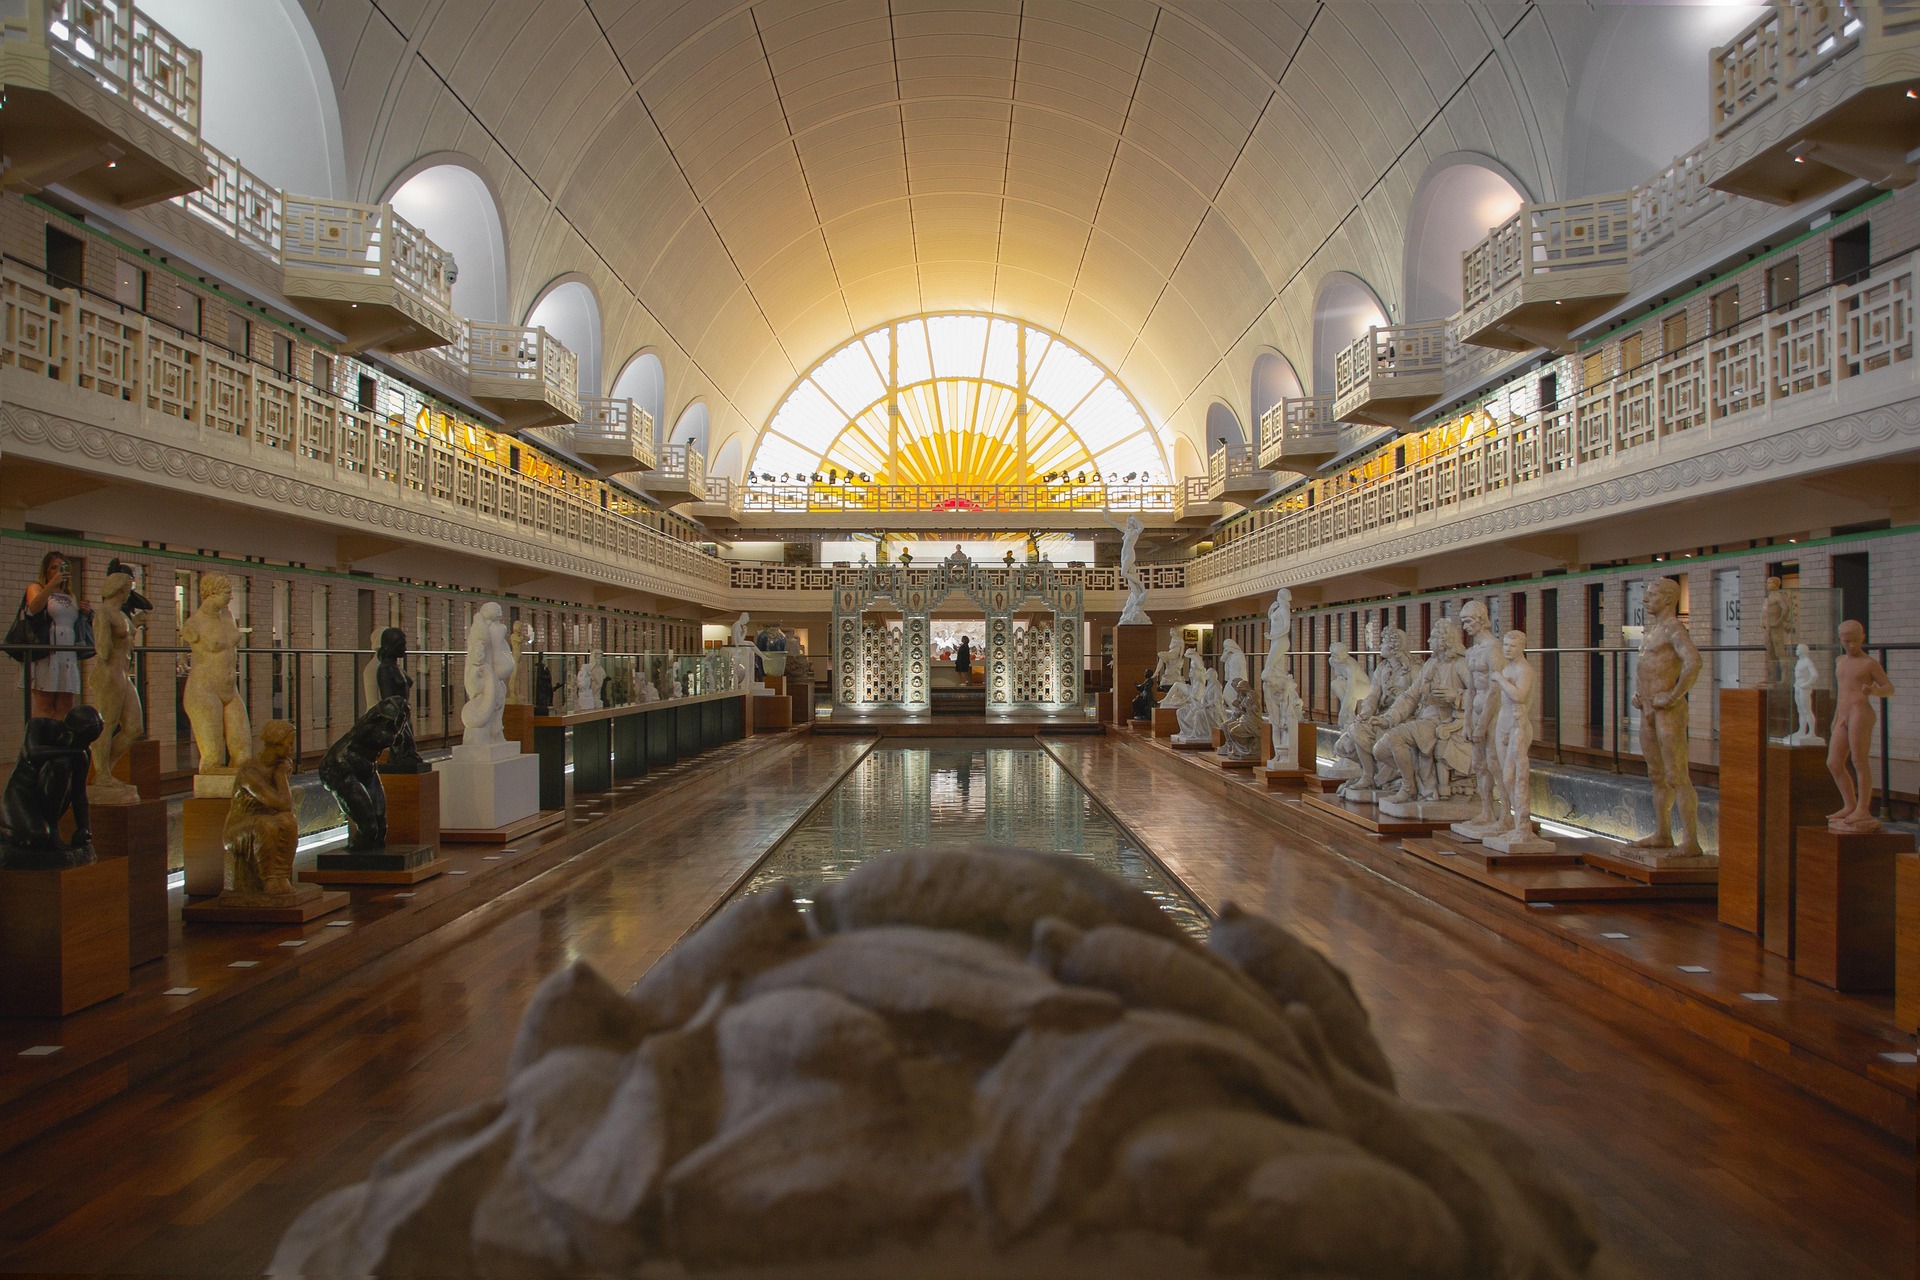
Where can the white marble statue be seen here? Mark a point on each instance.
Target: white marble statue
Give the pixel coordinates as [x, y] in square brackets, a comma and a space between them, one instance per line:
[1194, 718]
[644, 691]
[1512, 733]
[1366, 773]
[1171, 666]
[1280, 627]
[1233, 663]
[1805, 676]
[1348, 681]
[1426, 737]
[587, 681]
[1213, 695]
[1240, 735]
[1483, 707]
[221, 730]
[1281, 696]
[112, 693]
[1858, 678]
[1135, 611]
[489, 663]
[1669, 664]
[739, 636]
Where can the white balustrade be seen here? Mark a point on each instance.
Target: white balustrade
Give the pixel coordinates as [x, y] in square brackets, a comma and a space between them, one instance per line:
[509, 359]
[119, 48]
[287, 427]
[1300, 427]
[1381, 356]
[1780, 53]
[366, 241]
[759, 576]
[613, 428]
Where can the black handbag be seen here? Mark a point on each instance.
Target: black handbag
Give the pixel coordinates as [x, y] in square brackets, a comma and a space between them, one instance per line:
[83, 636]
[29, 634]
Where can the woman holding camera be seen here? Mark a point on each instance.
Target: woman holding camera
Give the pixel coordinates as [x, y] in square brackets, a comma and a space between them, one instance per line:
[55, 677]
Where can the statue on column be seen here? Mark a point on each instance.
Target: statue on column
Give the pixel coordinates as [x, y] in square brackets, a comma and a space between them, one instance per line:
[1348, 681]
[1241, 733]
[392, 683]
[1426, 736]
[111, 690]
[1134, 613]
[1669, 664]
[49, 780]
[215, 709]
[1483, 707]
[489, 663]
[1513, 748]
[1858, 678]
[1367, 772]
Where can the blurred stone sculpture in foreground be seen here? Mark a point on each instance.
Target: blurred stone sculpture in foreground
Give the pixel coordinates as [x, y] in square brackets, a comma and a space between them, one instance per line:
[981, 1063]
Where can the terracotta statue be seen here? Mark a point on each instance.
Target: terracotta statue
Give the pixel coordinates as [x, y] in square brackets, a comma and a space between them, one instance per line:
[1858, 678]
[1426, 736]
[261, 830]
[1368, 773]
[1241, 732]
[1669, 664]
[1143, 696]
[1512, 733]
[111, 690]
[49, 780]
[489, 663]
[1348, 681]
[1776, 623]
[215, 709]
[1483, 707]
[347, 771]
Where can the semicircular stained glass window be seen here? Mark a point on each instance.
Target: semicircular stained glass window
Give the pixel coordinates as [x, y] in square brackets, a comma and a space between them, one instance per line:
[937, 401]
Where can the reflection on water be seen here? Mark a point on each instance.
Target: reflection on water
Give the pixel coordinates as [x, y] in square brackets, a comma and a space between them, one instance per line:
[959, 793]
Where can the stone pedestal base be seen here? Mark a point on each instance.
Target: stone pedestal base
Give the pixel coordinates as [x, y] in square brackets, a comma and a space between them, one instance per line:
[395, 864]
[303, 904]
[1663, 858]
[138, 833]
[486, 788]
[203, 819]
[1844, 910]
[1474, 829]
[63, 938]
[1435, 811]
[1517, 842]
[413, 807]
[214, 783]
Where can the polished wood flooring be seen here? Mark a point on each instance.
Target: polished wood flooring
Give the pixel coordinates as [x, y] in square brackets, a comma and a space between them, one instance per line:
[1701, 1166]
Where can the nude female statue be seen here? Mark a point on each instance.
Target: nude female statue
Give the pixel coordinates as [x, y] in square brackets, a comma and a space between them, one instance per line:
[1512, 733]
[218, 714]
[489, 663]
[110, 690]
[1858, 677]
[1669, 664]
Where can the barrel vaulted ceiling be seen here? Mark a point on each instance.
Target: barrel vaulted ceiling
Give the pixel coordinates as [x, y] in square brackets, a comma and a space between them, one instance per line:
[748, 185]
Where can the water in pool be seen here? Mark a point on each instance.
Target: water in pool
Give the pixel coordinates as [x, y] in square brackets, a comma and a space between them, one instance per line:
[960, 793]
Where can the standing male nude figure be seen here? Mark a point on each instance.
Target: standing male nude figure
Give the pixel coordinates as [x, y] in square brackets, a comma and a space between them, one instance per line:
[1669, 664]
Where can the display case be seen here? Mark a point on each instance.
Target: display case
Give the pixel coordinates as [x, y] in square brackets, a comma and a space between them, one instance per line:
[1797, 633]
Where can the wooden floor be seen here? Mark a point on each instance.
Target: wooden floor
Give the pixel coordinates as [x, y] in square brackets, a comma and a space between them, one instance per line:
[1700, 1165]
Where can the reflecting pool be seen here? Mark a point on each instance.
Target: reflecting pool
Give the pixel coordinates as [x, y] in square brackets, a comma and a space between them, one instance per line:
[957, 792]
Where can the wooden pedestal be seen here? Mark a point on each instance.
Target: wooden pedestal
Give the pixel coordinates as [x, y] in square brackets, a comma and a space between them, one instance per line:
[1134, 655]
[770, 715]
[413, 807]
[516, 723]
[63, 938]
[309, 907]
[204, 853]
[1166, 722]
[1844, 909]
[1103, 707]
[1743, 738]
[1799, 792]
[141, 767]
[138, 833]
[1906, 943]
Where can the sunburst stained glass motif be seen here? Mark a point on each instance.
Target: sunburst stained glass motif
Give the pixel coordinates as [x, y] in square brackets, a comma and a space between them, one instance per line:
[959, 400]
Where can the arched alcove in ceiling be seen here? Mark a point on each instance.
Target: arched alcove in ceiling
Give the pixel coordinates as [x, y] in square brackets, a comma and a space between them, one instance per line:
[692, 427]
[1273, 380]
[730, 461]
[1460, 198]
[450, 198]
[1187, 460]
[266, 97]
[1223, 426]
[643, 380]
[1344, 308]
[569, 310]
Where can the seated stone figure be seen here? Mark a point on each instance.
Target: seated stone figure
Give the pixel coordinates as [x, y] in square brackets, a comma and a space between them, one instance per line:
[1192, 712]
[1143, 697]
[1366, 773]
[1426, 737]
[261, 831]
[347, 770]
[1241, 733]
[49, 779]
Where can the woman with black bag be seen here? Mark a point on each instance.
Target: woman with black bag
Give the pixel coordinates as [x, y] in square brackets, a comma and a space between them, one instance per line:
[55, 617]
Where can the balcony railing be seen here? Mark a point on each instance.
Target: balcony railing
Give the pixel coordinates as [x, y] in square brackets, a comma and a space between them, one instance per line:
[756, 576]
[1299, 432]
[1232, 470]
[1403, 361]
[239, 202]
[903, 499]
[612, 435]
[1672, 201]
[679, 473]
[367, 242]
[513, 362]
[120, 48]
[1549, 239]
[1777, 55]
[1844, 332]
[288, 428]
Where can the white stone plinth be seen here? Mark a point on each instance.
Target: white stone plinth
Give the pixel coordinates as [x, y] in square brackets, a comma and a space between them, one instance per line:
[485, 788]
[215, 785]
[1519, 842]
[1447, 811]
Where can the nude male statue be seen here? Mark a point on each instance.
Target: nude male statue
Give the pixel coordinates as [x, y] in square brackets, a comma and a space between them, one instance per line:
[1483, 709]
[1858, 677]
[1669, 664]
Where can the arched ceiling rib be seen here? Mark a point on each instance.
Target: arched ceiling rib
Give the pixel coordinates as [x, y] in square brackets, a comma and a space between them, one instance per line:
[750, 184]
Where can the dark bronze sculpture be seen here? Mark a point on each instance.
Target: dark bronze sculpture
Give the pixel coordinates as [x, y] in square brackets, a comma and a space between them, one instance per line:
[49, 779]
[542, 687]
[347, 770]
[394, 683]
[1143, 697]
